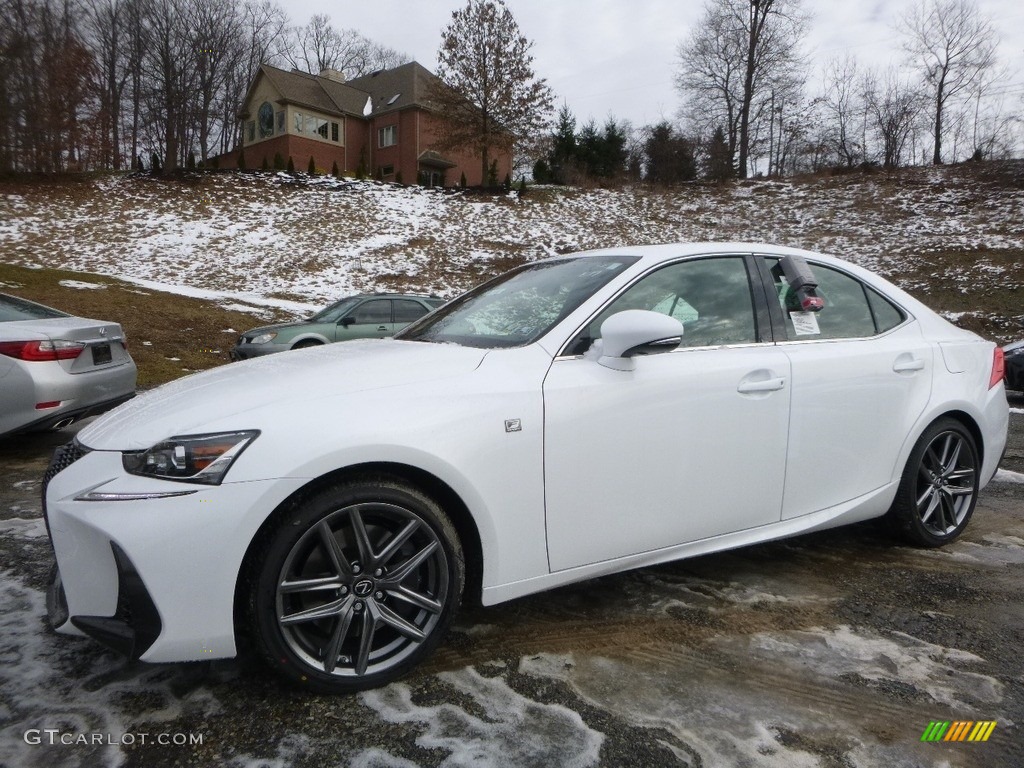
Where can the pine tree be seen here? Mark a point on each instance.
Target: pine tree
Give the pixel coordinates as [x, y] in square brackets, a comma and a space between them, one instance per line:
[334, 170]
[291, 165]
[266, 165]
[719, 161]
[241, 159]
[311, 169]
[279, 161]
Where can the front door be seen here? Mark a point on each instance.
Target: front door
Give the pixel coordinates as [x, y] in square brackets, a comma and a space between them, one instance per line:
[690, 444]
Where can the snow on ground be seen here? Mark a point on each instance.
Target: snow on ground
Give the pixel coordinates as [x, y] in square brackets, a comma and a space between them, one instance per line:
[253, 236]
[494, 738]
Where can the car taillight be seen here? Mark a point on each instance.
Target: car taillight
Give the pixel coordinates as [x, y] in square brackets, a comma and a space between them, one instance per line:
[998, 367]
[42, 351]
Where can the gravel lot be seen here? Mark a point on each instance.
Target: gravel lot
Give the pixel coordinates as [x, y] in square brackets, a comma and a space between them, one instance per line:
[833, 649]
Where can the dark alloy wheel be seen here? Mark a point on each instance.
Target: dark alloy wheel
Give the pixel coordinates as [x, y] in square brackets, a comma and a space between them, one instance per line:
[939, 487]
[357, 585]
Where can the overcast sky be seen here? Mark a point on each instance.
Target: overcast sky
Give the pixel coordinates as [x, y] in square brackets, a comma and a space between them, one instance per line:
[618, 56]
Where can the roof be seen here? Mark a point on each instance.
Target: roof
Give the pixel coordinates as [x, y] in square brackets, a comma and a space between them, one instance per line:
[398, 88]
[390, 89]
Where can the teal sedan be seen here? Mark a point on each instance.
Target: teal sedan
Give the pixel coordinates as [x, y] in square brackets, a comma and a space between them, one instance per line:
[365, 316]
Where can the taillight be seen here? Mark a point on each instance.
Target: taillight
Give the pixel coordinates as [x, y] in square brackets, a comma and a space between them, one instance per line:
[998, 367]
[42, 351]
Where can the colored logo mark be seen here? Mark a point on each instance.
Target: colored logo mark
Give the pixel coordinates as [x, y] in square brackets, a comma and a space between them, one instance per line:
[958, 730]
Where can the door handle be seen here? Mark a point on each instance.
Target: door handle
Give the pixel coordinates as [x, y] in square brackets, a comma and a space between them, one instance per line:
[766, 385]
[382, 328]
[908, 365]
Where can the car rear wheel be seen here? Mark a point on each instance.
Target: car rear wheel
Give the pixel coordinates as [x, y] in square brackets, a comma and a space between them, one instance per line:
[939, 487]
[356, 586]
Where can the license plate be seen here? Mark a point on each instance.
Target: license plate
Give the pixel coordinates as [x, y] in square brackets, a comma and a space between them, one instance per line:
[101, 354]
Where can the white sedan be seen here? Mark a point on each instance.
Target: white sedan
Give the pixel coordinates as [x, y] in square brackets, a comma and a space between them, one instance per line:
[575, 417]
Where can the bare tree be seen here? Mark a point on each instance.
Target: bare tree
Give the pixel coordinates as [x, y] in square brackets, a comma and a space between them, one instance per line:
[710, 76]
[319, 46]
[488, 95]
[953, 44]
[737, 55]
[841, 106]
[894, 107]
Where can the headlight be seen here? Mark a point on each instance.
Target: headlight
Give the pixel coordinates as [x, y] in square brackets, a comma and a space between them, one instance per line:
[263, 338]
[191, 458]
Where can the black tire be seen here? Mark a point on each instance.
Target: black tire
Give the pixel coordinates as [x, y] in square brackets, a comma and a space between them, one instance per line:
[939, 487]
[307, 343]
[355, 586]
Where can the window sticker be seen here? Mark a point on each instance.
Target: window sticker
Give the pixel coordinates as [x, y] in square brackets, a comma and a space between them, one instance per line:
[804, 323]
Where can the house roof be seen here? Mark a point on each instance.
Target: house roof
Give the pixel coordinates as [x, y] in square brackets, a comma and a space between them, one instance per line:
[390, 90]
[398, 88]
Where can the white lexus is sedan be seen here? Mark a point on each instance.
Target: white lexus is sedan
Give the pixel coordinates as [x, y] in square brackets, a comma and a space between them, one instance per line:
[574, 417]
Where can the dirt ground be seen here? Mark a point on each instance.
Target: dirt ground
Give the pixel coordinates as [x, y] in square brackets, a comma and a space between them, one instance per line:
[835, 649]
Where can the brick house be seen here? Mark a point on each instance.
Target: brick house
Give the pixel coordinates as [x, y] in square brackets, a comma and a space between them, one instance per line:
[381, 122]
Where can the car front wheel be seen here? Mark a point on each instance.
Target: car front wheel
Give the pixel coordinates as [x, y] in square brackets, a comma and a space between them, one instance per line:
[939, 487]
[356, 586]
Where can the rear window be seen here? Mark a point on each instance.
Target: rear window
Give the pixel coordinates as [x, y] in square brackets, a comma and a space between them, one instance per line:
[13, 309]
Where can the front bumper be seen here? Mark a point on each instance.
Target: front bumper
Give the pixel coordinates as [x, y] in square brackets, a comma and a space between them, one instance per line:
[154, 579]
[249, 351]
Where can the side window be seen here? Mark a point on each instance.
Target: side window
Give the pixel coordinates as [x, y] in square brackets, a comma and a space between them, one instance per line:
[710, 297]
[887, 315]
[849, 312]
[406, 311]
[375, 311]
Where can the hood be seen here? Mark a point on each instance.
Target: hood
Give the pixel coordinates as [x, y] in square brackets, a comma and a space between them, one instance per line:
[204, 401]
[275, 327]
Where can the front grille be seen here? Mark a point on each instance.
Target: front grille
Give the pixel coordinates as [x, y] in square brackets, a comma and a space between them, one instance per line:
[63, 457]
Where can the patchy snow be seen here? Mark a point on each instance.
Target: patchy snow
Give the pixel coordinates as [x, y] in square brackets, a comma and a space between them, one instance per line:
[31, 528]
[81, 285]
[512, 729]
[784, 712]
[266, 240]
[1008, 476]
[50, 681]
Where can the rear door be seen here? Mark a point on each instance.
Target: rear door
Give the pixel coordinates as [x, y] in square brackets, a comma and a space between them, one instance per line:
[406, 311]
[862, 376]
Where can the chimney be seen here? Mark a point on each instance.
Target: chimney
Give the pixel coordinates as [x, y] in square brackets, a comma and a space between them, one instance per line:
[333, 74]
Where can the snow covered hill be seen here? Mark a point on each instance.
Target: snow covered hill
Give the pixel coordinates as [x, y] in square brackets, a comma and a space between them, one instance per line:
[956, 233]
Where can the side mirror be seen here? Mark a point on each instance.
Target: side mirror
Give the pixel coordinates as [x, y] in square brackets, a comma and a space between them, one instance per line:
[345, 322]
[637, 332]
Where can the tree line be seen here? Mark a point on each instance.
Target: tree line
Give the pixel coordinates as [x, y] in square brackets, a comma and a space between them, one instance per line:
[747, 108]
[88, 84]
[107, 84]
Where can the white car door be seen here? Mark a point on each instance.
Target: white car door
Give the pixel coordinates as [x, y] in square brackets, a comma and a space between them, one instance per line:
[862, 376]
[690, 444]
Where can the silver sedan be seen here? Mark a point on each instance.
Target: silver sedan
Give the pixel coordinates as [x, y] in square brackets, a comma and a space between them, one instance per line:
[56, 368]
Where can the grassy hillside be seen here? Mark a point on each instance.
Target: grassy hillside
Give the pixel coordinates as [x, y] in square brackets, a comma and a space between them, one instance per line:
[270, 246]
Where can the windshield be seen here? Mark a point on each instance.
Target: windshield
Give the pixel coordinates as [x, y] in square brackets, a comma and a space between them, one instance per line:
[335, 312]
[520, 306]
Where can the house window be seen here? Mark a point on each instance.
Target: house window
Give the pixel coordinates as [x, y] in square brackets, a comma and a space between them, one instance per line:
[310, 124]
[250, 130]
[387, 170]
[334, 131]
[280, 122]
[387, 136]
[298, 122]
[321, 128]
